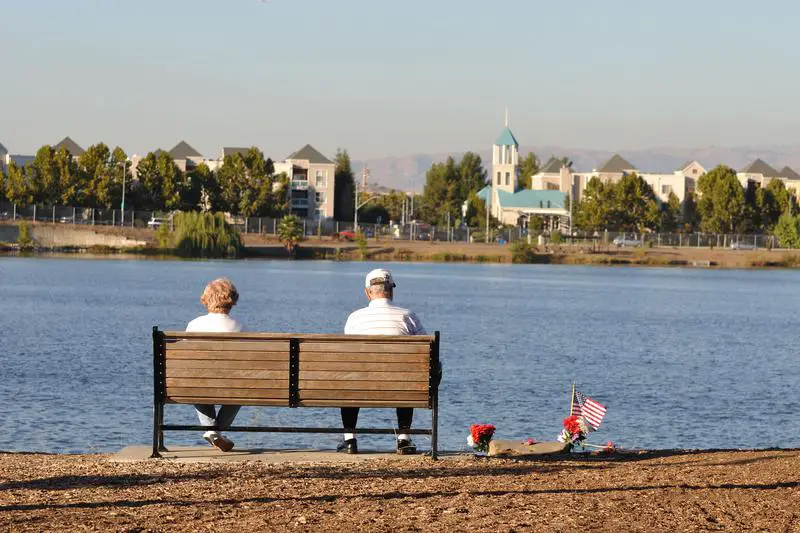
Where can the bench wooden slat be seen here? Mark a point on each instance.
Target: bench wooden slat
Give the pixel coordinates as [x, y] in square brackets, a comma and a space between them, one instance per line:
[220, 363]
[363, 367]
[228, 401]
[366, 347]
[364, 357]
[363, 395]
[227, 346]
[223, 392]
[361, 403]
[173, 364]
[238, 356]
[226, 382]
[364, 376]
[171, 335]
[225, 374]
[306, 384]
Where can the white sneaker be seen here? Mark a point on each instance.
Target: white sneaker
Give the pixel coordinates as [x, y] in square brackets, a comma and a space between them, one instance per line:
[218, 441]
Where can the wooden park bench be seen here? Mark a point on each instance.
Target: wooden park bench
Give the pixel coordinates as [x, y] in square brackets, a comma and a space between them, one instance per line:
[294, 370]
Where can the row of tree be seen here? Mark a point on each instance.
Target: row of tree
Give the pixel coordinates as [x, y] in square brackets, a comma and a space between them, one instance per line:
[724, 206]
[244, 184]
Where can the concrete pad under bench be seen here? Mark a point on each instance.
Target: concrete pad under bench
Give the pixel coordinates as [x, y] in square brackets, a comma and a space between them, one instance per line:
[207, 454]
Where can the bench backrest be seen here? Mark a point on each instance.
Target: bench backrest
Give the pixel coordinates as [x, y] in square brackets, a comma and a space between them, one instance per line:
[303, 370]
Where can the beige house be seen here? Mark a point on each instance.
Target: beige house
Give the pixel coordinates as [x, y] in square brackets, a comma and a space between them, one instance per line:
[680, 182]
[759, 172]
[185, 157]
[312, 177]
[70, 146]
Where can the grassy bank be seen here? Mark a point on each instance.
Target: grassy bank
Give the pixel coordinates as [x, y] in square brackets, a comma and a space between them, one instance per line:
[667, 491]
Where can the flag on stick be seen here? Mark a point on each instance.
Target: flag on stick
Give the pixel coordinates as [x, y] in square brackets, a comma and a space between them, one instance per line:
[589, 409]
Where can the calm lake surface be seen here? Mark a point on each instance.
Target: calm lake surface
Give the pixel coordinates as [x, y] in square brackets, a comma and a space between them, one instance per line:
[682, 358]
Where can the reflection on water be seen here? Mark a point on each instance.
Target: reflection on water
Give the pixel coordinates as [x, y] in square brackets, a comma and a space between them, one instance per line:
[682, 358]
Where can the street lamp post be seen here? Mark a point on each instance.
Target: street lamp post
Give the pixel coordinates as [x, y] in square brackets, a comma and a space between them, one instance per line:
[122, 204]
[357, 206]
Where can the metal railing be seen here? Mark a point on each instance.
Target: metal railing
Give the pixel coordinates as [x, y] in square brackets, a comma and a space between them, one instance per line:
[321, 227]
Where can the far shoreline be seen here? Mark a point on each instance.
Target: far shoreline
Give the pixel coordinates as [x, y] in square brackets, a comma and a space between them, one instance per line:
[314, 249]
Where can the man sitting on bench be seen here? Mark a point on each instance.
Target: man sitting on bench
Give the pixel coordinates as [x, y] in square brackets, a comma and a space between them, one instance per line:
[380, 317]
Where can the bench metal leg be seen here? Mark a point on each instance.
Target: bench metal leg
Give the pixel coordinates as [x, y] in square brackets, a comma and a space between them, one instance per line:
[435, 427]
[157, 433]
[161, 446]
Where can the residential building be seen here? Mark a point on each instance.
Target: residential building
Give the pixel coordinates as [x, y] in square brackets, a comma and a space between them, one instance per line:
[791, 179]
[4, 160]
[185, 157]
[312, 177]
[758, 172]
[680, 182]
[70, 146]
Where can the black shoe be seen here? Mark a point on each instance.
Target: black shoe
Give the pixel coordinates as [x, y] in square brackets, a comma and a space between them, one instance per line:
[348, 446]
[406, 447]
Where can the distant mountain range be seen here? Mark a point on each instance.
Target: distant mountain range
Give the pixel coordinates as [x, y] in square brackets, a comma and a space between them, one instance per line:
[408, 172]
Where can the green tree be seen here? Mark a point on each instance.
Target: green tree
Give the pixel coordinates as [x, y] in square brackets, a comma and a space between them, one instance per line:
[147, 194]
[472, 177]
[173, 184]
[528, 167]
[787, 230]
[202, 189]
[3, 178]
[636, 208]
[689, 215]
[722, 202]
[440, 194]
[43, 177]
[24, 238]
[595, 209]
[671, 214]
[290, 232]
[344, 187]
[95, 164]
[71, 182]
[17, 190]
[785, 199]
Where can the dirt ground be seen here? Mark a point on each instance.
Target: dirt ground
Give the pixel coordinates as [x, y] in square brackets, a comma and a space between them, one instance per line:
[667, 491]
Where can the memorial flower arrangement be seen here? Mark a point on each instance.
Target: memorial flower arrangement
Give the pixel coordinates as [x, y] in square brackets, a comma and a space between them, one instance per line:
[480, 435]
[575, 430]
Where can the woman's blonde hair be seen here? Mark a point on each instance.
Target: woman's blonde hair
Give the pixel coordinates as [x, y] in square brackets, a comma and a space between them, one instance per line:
[220, 296]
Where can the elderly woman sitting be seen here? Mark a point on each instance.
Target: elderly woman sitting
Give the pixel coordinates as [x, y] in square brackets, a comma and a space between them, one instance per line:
[219, 297]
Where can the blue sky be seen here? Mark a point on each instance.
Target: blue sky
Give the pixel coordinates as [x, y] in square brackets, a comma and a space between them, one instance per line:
[396, 78]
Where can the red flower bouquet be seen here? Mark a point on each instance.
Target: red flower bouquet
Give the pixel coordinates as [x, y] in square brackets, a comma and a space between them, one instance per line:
[480, 436]
[575, 430]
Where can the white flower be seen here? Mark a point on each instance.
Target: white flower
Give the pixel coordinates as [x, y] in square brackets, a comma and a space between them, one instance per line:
[470, 441]
[563, 436]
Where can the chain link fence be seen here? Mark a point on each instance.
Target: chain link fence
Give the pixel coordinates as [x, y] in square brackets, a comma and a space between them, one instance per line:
[414, 231]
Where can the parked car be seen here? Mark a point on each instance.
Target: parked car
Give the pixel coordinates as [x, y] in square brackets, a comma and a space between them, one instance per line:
[738, 245]
[623, 241]
[155, 223]
[346, 235]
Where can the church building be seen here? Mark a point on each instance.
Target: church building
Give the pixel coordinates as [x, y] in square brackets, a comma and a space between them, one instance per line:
[512, 205]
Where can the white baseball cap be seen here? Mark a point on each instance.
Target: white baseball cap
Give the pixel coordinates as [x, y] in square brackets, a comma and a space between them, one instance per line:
[379, 276]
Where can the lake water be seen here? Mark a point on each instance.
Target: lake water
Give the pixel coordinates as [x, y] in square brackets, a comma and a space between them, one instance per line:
[682, 358]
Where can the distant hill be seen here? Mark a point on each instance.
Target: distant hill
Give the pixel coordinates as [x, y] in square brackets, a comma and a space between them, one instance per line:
[408, 172]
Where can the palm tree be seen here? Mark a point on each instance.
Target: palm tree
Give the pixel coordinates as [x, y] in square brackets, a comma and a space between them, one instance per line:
[290, 232]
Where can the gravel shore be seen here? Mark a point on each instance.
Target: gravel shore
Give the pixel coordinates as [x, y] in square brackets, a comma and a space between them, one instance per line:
[655, 491]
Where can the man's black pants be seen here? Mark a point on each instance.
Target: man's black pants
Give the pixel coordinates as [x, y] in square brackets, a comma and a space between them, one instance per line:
[350, 417]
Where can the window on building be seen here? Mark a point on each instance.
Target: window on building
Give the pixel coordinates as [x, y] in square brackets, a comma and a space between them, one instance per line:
[321, 179]
[548, 204]
[508, 178]
[552, 187]
[320, 198]
[666, 189]
[694, 171]
[499, 182]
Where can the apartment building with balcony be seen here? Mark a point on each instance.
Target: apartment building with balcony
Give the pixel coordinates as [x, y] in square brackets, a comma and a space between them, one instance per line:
[312, 182]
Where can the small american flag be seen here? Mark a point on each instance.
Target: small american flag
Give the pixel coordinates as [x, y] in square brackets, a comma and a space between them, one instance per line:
[589, 409]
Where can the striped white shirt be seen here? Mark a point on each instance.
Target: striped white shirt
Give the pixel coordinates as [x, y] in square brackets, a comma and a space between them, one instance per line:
[380, 317]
